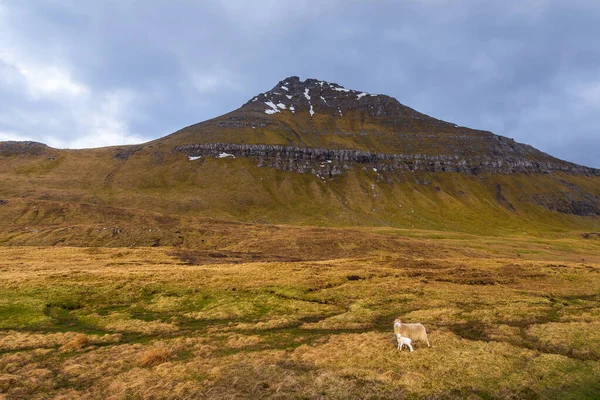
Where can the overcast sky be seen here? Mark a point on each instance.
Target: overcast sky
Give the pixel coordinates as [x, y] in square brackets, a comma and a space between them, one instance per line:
[94, 73]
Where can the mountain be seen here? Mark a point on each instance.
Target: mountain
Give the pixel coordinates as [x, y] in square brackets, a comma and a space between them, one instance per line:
[316, 118]
[304, 153]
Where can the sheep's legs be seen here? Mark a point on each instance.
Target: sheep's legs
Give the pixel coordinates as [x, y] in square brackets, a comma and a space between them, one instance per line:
[401, 346]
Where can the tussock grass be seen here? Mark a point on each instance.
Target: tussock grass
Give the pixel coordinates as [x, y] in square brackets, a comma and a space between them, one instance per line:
[77, 343]
[154, 356]
[17, 340]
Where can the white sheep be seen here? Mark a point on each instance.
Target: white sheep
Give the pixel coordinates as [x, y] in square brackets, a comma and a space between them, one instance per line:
[403, 341]
[415, 332]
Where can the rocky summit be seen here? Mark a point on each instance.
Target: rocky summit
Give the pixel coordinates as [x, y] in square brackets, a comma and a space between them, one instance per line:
[314, 96]
[303, 153]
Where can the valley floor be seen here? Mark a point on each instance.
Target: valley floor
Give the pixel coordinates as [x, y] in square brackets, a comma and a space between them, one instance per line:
[507, 318]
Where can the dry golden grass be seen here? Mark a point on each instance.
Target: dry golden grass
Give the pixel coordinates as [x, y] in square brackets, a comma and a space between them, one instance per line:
[121, 323]
[154, 356]
[13, 340]
[77, 343]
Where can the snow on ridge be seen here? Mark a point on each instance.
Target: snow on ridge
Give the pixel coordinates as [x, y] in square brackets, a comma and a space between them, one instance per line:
[194, 158]
[340, 89]
[306, 94]
[273, 108]
[271, 104]
[285, 91]
[311, 111]
[293, 109]
[224, 155]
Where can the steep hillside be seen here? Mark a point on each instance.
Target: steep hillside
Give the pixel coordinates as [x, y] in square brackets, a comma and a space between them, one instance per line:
[304, 153]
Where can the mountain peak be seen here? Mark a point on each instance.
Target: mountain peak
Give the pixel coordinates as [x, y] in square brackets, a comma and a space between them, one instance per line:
[314, 95]
[293, 84]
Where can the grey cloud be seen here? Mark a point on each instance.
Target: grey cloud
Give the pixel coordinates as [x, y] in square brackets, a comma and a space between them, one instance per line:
[521, 69]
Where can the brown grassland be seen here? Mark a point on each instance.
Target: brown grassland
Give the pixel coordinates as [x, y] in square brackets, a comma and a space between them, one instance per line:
[508, 318]
[137, 272]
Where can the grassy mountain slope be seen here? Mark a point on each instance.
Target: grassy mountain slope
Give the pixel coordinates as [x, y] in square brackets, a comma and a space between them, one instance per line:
[92, 187]
[157, 192]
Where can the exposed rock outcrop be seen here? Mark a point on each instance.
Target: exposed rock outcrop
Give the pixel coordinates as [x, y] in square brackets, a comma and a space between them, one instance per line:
[23, 148]
[575, 201]
[334, 162]
[126, 152]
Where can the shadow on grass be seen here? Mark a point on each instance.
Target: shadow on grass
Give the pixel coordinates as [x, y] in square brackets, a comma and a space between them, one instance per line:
[475, 330]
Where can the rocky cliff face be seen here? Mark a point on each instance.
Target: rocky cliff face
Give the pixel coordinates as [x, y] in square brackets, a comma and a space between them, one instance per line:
[331, 162]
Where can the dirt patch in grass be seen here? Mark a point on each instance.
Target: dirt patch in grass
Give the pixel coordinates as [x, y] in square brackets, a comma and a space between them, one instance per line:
[200, 257]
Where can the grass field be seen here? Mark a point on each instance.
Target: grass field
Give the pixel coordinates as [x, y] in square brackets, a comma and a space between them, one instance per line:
[508, 318]
[139, 272]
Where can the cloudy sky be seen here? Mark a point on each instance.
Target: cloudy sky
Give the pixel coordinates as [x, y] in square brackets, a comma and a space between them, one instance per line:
[102, 72]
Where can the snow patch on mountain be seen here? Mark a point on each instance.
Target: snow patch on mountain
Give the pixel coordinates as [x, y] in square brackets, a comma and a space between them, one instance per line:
[340, 89]
[273, 108]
